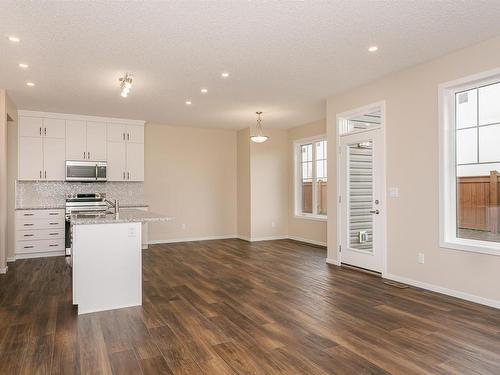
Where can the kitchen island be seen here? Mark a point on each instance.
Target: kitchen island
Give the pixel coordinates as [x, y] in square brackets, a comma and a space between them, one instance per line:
[106, 259]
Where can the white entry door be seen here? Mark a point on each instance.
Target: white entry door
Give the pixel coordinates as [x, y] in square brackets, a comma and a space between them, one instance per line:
[362, 205]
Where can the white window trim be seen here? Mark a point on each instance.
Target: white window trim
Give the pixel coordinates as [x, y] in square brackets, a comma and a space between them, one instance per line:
[297, 179]
[447, 171]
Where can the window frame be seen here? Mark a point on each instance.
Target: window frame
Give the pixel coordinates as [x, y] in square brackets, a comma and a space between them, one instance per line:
[447, 164]
[297, 144]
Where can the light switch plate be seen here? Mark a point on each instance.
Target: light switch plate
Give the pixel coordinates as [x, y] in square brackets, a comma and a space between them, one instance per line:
[394, 192]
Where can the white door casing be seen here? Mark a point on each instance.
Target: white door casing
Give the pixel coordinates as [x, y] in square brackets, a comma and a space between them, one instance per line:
[361, 205]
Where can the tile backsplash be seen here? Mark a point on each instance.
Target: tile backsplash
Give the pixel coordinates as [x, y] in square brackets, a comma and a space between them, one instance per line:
[53, 193]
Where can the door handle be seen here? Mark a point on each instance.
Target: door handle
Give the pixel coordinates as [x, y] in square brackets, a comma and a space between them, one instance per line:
[376, 212]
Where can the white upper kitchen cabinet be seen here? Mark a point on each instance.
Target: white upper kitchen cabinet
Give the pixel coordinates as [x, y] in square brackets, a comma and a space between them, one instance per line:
[96, 141]
[41, 127]
[85, 140]
[54, 161]
[30, 158]
[54, 128]
[76, 140]
[30, 126]
[135, 134]
[117, 161]
[135, 161]
[47, 140]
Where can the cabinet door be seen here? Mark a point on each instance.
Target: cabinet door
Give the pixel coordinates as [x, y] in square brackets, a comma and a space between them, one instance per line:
[96, 141]
[54, 128]
[76, 140]
[30, 126]
[135, 134]
[54, 159]
[116, 132]
[30, 158]
[116, 161]
[135, 161]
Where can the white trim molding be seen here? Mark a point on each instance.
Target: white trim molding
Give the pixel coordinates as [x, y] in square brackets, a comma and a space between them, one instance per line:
[306, 240]
[66, 116]
[335, 262]
[4, 269]
[192, 239]
[257, 239]
[11, 259]
[44, 254]
[440, 289]
[447, 164]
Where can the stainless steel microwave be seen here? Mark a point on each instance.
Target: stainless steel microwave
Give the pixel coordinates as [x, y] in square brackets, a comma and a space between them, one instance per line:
[86, 171]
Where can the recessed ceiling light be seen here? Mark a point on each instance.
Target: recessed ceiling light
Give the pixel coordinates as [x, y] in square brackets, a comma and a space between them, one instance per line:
[204, 91]
[14, 39]
[188, 102]
[225, 75]
[24, 66]
[373, 49]
[31, 84]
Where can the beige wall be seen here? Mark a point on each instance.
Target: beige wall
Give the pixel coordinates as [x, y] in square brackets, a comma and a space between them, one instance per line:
[303, 229]
[269, 185]
[12, 127]
[190, 173]
[3, 182]
[243, 196]
[412, 165]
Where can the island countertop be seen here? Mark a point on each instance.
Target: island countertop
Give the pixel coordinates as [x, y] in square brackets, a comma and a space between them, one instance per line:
[125, 216]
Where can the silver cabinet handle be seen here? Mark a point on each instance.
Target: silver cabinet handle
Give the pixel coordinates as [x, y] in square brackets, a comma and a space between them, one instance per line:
[40, 130]
[376, 212]
[128, 175]
[53, 223]
[40, 174]
[28, 247]
[124, 175]
[123, 136]
[45, 131]
[53, 234]
[28, 225]
[28, 235]
[84, 154]
[28, 214]
[45, 174]
[88, 155]
[53, 213]
[128, 136]
[53, 245]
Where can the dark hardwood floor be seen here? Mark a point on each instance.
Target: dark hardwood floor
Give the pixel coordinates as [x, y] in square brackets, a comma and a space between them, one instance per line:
[230, 307]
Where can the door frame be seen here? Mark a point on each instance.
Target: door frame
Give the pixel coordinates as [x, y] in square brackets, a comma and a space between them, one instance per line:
[383, 205]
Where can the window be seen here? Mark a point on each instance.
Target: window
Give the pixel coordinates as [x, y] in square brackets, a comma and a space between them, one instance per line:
[311, 181]
[470, 165]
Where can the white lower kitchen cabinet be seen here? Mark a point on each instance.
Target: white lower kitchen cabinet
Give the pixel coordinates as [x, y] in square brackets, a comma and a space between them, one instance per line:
[40, 233]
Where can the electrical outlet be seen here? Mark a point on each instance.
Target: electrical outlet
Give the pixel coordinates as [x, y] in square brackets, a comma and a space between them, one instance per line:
[183, 226]
[273, 224]
[421, 258]
[131, 232]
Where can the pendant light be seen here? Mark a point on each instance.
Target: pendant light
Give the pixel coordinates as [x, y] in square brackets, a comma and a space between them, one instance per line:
[259, 137]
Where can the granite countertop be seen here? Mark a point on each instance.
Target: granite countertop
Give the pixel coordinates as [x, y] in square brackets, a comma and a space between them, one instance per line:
[62, 206]
[128, 216]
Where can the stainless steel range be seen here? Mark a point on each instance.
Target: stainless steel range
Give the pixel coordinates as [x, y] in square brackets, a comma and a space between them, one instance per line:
[91, 204]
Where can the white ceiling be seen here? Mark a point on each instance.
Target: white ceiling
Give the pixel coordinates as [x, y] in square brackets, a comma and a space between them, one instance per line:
[285, 58]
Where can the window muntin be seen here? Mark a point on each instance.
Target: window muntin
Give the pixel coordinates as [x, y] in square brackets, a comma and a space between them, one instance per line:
[477, 163]
[311, 186]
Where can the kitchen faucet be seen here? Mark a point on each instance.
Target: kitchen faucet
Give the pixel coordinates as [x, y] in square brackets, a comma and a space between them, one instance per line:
[115, 204]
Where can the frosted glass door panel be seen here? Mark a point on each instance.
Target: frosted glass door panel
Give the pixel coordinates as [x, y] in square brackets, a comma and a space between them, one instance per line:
[360, 170]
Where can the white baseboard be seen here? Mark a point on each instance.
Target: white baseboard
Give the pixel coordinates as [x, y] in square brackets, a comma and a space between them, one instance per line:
[443, 290]
[332, 261]
[41, 255]
[3, 269]
[306, 240]
[257, 239]
[190, 239]
[11, 259]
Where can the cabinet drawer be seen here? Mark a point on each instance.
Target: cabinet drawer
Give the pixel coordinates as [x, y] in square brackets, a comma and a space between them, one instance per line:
[40, 234]
[27, 224]
[39, 214]
[40, 246]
